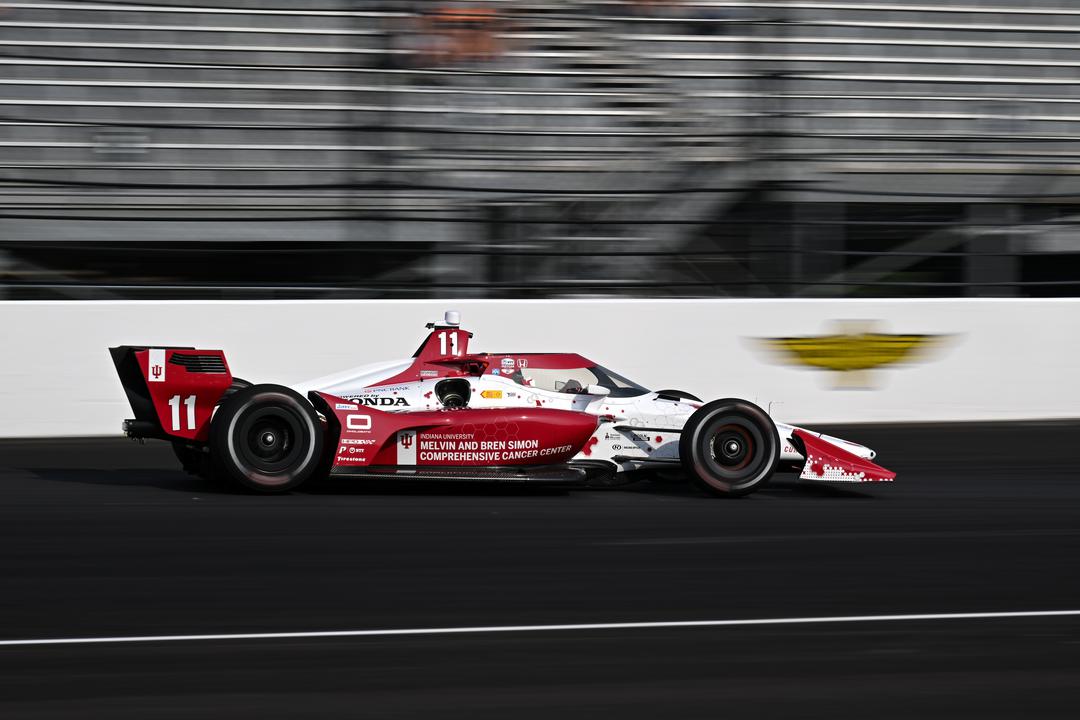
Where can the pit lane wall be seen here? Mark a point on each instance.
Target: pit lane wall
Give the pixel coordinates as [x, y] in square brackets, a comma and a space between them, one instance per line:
[808, 361]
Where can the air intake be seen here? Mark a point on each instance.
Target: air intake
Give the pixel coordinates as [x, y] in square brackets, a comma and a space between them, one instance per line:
[213, 364]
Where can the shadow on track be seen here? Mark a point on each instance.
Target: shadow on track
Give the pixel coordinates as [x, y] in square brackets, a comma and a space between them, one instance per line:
[175, 481]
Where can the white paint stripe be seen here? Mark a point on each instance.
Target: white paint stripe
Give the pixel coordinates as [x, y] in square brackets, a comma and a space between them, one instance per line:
[542, 628]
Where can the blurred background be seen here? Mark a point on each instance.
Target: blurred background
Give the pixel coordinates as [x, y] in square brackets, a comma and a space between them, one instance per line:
[850, 157]
[488, 148]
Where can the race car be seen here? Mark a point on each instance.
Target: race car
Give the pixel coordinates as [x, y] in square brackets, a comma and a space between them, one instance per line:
[451, 414]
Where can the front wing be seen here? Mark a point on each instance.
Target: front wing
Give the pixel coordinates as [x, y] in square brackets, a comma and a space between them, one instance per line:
[832, 463]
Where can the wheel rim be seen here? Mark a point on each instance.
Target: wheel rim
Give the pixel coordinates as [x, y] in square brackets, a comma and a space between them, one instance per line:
[270, 439]
[734, 451]
[732, 447]
[269, 442]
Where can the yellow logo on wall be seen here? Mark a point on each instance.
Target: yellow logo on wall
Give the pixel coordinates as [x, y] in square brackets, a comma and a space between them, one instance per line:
[853, 351]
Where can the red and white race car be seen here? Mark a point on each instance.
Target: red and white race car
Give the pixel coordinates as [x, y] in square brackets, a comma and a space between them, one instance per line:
[450, 414]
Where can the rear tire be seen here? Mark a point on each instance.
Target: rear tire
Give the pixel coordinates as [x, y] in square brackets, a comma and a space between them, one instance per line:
[729, 447]
[267, 439]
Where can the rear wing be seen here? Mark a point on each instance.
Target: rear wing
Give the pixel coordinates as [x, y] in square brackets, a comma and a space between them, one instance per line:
[172, 390]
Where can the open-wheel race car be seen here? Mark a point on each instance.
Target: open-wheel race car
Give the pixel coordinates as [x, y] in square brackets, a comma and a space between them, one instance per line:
[450, 414]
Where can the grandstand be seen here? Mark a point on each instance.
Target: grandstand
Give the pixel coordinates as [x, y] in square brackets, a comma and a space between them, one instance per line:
[240, 148]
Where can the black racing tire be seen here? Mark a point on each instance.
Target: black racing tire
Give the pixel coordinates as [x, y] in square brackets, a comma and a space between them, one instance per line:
[729, 447]
[238, 384]
[679, 394]
[267, 439]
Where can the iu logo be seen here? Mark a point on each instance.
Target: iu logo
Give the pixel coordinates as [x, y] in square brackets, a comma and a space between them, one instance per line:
[406, 451]
[156, 365]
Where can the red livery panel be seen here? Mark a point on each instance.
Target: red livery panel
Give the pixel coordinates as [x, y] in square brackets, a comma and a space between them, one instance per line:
[184, 387]
[825, 461]
[465, 437]
[445, 354]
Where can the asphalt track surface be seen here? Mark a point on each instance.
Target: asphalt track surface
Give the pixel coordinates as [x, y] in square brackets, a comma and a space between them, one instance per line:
[106, 538]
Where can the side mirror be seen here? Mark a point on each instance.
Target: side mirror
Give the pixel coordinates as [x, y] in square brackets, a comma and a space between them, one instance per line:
[597, 390]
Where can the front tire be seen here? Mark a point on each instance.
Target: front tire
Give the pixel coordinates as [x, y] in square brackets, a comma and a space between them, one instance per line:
[729, 447]
[266, 438]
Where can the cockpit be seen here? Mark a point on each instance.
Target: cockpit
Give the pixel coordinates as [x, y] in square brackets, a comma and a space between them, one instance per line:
[577, 380]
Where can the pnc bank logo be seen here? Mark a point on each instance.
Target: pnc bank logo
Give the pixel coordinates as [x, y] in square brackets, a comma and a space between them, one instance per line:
[853, 351]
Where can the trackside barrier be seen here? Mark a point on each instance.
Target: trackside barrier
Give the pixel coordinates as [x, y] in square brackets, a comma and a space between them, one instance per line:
[807, 361]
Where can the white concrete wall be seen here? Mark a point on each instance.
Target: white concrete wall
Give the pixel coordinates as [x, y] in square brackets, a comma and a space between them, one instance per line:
[993, 359]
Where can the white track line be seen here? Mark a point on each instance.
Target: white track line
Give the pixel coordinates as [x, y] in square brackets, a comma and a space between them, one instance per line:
[541, 628]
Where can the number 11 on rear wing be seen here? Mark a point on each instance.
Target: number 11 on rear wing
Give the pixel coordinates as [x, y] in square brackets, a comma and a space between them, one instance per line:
[172, 390]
